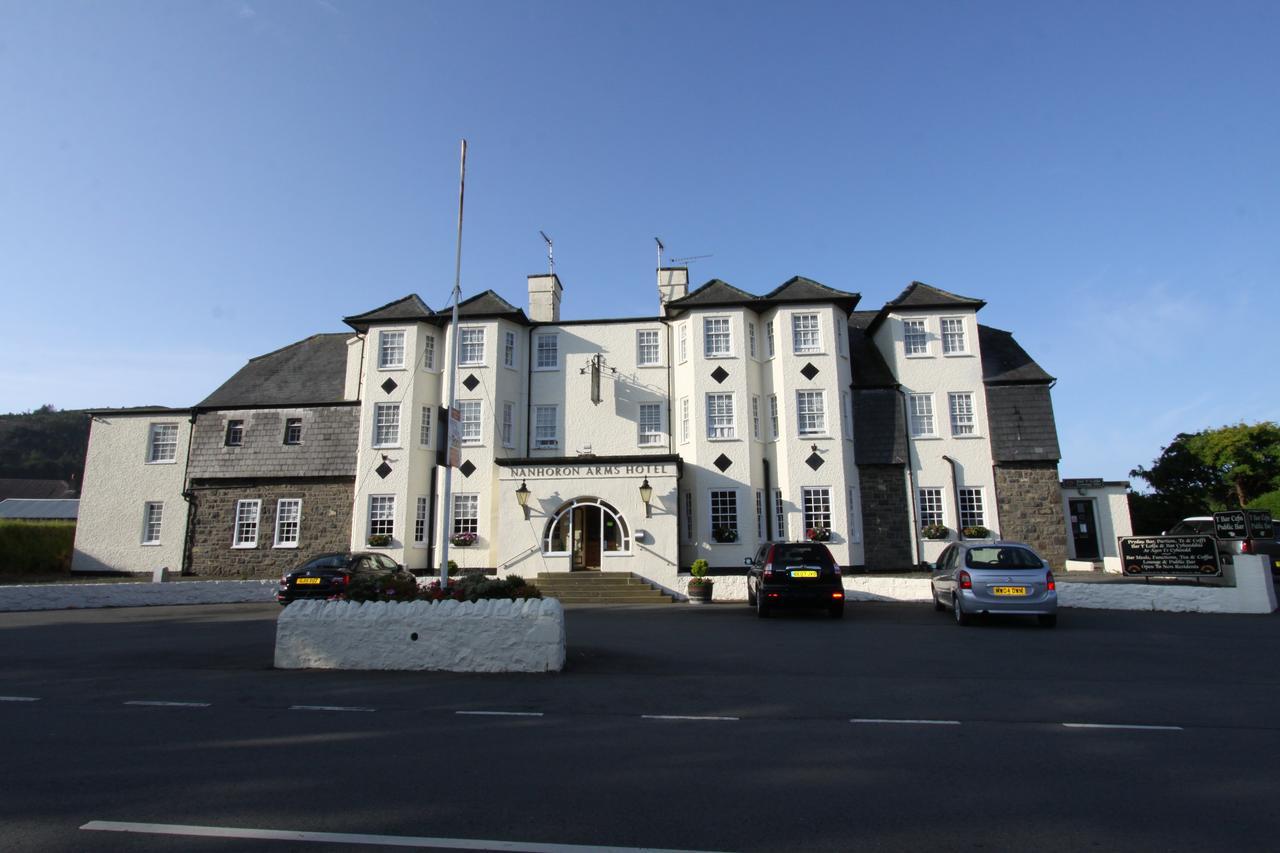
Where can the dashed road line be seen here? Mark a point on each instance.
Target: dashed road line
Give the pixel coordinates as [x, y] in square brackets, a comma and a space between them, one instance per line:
[499, 713]
[330, 708]
[879, 720]
[19, 698]
[155, 703]
[1129, 726]
[684, 717]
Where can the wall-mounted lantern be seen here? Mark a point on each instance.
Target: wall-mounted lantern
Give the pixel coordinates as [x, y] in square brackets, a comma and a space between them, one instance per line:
[646, 495]
[522, 497]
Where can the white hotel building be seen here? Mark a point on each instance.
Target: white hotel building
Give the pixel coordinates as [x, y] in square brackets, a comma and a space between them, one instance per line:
[740, 418]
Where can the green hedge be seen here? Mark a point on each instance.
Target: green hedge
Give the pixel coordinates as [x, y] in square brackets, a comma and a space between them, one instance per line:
[36, 547]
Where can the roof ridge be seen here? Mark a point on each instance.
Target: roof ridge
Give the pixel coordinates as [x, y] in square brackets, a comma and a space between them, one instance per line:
[407, 296]
[278, 350]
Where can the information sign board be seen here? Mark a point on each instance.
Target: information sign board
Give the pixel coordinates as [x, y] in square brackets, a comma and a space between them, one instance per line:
[1261, 525]
[1170, 556]
[455, 437]
[1232, 524]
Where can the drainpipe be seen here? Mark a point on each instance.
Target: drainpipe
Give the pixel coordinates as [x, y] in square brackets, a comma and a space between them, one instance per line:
[189, 496]
[955, 495]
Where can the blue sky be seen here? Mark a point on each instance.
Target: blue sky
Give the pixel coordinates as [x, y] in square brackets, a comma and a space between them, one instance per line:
[184, 185]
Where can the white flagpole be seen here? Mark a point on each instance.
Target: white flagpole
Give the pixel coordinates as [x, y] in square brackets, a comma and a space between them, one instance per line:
[453, 382]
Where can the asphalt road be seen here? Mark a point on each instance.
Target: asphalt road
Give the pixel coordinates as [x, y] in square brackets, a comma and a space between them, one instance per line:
[893, 729]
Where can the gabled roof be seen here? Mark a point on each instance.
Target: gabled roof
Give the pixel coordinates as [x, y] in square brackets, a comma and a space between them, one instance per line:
[716, 293]
[713, 293]
[1005, 362]
[801, 289]
[919, 296]
[484, 304]
[310, 372]
[409, 307]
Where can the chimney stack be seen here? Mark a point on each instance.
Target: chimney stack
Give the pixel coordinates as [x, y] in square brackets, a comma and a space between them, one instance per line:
[544, 298]
[673, 283]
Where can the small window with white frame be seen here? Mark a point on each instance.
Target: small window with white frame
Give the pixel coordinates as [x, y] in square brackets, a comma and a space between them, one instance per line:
[811, 413]
[717, 339]
[235, 433]
[162, 443]
[682, 337]
[806, 336]
[382, 515]
[472, 412]
[770, 344]
[930, 509]
[751, 338]
[152, 521]
[724, 515]
[546, 351]
[972, 508]
[684, 420]
[471, 345]
[428, 351]
[650, 424]
[466, 514]
[953, 337]
[508, 423]
[915, 337]
[293, 430]
[546, 427]
[779, 516]
[774, 424]
[386, 424]
[755, 416]
[816, 504]
[288, 522]
[720, 417]
[245, 532]
[759, 515]
[648, 351]
[921, 408]
[424, 429]
[690, 531]
[509, 349]
[420, 522]
[390, 349]
[963, 422]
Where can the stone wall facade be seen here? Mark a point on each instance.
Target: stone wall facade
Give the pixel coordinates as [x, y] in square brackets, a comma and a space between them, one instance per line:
[1029, 501]
[886, 526]
[325, 525]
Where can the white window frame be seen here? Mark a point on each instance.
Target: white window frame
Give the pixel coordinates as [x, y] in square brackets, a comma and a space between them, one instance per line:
[709, 336]
[917, 404]
[648, 352]
[722, 425]
[466, 513]
[690, 523]
[755, 416]
[724, 519]
[779, 516]
[471, 426]
[774, 418]
[162, 451]
[420, 522]
[760, 510]
[428, 351]
[152, 527]
[236, 424]
[381, 438]
[965, 515]
[964, 424]
[382, 516]
[931, 506]
[949, 336]
[509, 349]
[811, 420]
[684, 420]
[539, 352]
[248, 514]
[508, 423]
[542, 439]
[288, 423]
[806, 339]
[295, 504]
[471, 346]
[650, 427]
[682, 336]
[424, 428]
[771, 343]
[391, 349]
[751, 338]
[816, 503]
[846, 402]
[915, 337]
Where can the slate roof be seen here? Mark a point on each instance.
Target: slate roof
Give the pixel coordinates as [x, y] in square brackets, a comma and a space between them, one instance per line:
[484, 304]
[880, 425]
[307, 373]
[409, 307]
[867, 364]
[1004, 361]
[1022, 425]
[139, 410]
[918, 296]
[33, 508]
[716, 293]
[21, 487]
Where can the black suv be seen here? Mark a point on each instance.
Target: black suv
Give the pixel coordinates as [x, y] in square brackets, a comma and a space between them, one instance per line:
[794, 574]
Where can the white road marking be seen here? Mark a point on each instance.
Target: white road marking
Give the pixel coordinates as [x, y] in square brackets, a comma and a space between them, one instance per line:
[356, 838]
[681, 717]
[159, 704]
[906, 722]
[1123, 726]
[330, 708]
[499, 713]
[19, 698]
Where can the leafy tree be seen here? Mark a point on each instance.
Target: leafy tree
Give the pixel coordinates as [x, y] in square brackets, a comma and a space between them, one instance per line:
[1245, 457]
[44, 445]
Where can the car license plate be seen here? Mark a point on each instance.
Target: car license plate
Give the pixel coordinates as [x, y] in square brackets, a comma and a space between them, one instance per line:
[1008, 590]
[302, 581]
[804, 573]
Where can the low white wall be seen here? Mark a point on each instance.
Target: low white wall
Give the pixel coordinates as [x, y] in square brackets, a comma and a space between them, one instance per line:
[494, 635]
[1253, 592]
[70, 596]
[856, 587]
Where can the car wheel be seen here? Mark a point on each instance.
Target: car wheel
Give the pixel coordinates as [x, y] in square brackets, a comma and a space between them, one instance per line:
[937, 605]
[957, 610]
[762, 609]
[1048, 620]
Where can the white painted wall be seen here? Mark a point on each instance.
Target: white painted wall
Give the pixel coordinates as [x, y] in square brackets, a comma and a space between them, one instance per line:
[78, 596]
[118, 483]
[1110, 513]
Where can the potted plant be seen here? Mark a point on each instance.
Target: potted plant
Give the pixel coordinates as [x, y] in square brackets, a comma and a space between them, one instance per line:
[379, 540]
[699, 585]
[936, 531]
[463, 540]
[819, 534]
[977, 531]
[724, 534]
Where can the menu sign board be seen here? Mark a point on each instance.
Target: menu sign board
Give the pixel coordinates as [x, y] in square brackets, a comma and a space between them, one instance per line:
[1260, 523]
[455, 436]
[1232, 524]
[1170, 556]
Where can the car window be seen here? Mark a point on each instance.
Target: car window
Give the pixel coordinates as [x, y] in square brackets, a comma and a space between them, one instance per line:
[1002, 557]
[944, 559]
[364, 564]
[1191, 527]
[795, 555]
[386, 562]
[327, 561]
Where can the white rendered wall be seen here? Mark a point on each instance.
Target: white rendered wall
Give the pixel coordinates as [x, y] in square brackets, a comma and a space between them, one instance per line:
[118, 483]
[1110, 515]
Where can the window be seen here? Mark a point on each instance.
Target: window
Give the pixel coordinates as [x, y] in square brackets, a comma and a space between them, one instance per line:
[684, 342]
[962, 421]
[842, 339]
[720, 421]
[420, 522]
[847, 402]
[546, 351]
[755, 417]
[724, 511]
[382, 515]
[684, 420]
[811, 412]
[293, 430]
[471, 346]
[716, 340]
[855, 516]
[424, 431]
[805, 336]
[245, 534]
[508, 424]
[930, 500]
[235, 433]
[386, 424]
[509, 349]
[971, 511]
[690, 534]
[751, 338]
[953, 335]
[647, 347]
[650, 423]
[816, 501]
[759, 515]
[922, 415]
[915, 340]
[163, 443]
[288, 520]
[429, 352]
[545, 432]
[780, 516]
[773, 415]
[466, 514]
[152, 519]
[576, 522]
[770, 345]
[390, 350]
[472, 414]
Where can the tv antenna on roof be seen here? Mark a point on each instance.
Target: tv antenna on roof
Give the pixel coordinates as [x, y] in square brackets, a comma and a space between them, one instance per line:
[690, 259]
[551, 256]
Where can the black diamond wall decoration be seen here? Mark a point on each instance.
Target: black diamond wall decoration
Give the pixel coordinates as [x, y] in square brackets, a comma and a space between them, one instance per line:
[814, 461]
[809, 371]
[722, 462]
[382, 470]
[467, 468]
[389, 385]
[470, 382]
[719, 375]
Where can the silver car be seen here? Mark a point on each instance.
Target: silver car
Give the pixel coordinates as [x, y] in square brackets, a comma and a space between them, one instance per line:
[994, 577]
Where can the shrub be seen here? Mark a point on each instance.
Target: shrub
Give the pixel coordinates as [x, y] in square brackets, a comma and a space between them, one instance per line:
[474, 587]
[699, 568]
[977, 531]
[936, 531]
[36, 547]
[388, 586]
[379, 540]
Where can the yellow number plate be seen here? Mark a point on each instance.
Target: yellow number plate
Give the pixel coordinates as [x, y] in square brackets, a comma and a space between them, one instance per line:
[302, 581]
[804, 573]
[1008, 590]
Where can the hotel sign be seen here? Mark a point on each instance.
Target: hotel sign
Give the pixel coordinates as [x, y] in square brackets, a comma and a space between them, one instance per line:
[586, 470]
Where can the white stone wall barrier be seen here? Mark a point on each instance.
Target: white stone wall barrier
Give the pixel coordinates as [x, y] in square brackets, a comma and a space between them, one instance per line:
[492, 635]
[71, 596]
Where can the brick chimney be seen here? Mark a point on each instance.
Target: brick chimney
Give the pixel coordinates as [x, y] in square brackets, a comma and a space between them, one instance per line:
[544, 298]
[673, 283]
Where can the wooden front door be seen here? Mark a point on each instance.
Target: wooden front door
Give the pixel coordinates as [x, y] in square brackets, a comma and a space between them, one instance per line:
[1084, 529]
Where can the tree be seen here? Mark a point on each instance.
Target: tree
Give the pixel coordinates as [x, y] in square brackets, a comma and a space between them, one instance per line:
[1245, 457]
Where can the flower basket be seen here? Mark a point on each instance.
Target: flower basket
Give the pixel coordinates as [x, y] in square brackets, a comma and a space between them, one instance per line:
[977, 531]
[724, 534]
[819, 534]
[379, 540]
[936, 531]
[463, 540]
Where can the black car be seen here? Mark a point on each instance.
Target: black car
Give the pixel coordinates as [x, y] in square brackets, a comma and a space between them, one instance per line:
[330, 574]
[794, 574]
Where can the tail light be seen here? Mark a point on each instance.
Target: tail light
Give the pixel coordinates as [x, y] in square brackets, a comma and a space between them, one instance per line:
[768, 570]
[1049, 583]
[837, 595]
[284, 580]
[1246, 546]
[965, 581]
[342, 579]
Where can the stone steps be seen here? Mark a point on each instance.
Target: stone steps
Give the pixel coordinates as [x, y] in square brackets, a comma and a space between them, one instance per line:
[599, 588]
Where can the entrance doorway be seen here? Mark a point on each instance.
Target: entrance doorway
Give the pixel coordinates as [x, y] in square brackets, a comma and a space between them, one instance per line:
[588, 530]
[1084, 530]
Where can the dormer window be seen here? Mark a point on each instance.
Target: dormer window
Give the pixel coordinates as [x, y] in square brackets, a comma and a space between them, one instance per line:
[390, 350]
[235, 433]
[953, 336]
